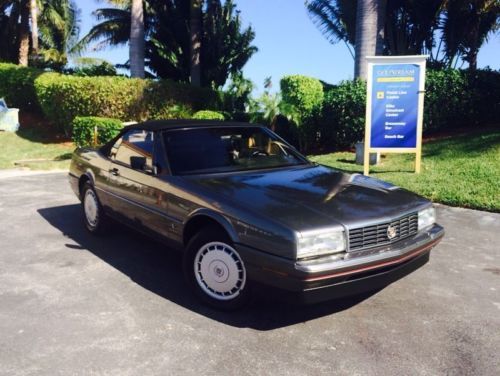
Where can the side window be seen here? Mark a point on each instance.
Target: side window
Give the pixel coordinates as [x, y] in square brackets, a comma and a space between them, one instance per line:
[135, 149]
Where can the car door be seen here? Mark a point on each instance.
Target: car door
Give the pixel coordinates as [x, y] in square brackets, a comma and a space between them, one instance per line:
[134, 184]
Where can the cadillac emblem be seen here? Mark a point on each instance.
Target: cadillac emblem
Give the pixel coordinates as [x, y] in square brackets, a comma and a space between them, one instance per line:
[391, 232]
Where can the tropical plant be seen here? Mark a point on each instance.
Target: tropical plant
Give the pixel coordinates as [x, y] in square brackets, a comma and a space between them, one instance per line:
[239, 92]
[335, 19]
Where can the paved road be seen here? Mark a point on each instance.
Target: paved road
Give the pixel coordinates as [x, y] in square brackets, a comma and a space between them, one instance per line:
[74, 304]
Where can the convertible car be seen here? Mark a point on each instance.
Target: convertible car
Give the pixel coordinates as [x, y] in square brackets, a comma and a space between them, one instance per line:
[249, 212]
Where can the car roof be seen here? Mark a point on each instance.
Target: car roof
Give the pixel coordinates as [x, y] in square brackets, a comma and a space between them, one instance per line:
[156, 125]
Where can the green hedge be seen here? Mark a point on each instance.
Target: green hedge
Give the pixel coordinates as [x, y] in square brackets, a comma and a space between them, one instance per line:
[453, 99]
[445, 100]
[17, 86]
[208, 115]
[302, 99]
[342, 121]
[63, 97]
[84, 126]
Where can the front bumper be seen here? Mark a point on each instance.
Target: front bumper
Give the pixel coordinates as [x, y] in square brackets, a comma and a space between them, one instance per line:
[316, 280]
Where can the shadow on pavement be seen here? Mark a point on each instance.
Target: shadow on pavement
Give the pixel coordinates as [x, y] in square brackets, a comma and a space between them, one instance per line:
[157, 269]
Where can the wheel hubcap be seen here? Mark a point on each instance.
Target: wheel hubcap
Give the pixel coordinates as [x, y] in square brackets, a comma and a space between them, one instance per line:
[91, 208]
[219, 271]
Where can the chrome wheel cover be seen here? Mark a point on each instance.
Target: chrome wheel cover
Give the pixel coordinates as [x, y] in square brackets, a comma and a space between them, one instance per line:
[219, 271]
[91, 208]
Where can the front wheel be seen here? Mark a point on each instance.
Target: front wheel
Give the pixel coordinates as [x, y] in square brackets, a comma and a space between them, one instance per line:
[215, 270]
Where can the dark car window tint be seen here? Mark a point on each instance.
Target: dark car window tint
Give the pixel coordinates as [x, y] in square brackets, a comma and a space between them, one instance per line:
[224, 149]
[135, 149]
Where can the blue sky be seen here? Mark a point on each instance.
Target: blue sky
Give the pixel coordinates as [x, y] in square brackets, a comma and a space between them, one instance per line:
[288, 42]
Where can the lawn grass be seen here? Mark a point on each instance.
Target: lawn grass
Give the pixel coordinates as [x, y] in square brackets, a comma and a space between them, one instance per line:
[459, 171]
[26, 149]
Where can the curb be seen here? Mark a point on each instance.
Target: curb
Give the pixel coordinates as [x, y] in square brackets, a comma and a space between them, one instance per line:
[14, 173]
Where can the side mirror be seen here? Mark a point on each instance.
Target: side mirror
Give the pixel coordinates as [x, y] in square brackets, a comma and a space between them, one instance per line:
[152, 170]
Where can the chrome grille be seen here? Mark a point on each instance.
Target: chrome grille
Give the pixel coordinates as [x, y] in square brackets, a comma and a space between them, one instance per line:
[376, 235]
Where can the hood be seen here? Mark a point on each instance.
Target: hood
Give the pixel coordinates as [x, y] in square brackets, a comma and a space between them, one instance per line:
[310, 197]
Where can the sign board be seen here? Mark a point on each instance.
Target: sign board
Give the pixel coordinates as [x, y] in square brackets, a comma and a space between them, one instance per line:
[394, 106]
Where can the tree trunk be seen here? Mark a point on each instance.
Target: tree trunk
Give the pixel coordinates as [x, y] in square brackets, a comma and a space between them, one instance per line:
[34, 26]
[24, 33]
[369, 33]
[136, 48]
[472, 60]
[195, 28]
[381, 11]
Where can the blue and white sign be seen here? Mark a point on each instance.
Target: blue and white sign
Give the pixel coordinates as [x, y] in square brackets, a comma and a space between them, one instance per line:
[394, 106]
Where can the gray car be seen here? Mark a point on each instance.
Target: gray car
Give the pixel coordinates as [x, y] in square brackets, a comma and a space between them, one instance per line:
[250, 213]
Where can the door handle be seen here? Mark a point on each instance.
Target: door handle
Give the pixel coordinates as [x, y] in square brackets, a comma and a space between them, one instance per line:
[114, 171]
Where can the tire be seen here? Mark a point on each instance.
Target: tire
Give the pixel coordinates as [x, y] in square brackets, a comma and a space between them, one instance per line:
[96, 221]
[215, 271]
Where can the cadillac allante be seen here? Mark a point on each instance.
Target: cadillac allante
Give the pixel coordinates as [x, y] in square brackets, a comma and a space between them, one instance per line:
[249, 212]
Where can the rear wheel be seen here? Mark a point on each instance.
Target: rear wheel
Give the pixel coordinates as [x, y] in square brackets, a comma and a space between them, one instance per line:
[93, 215]
[215, 270]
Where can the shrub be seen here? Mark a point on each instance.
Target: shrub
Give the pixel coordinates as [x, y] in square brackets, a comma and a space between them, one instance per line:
[103, 68]
[63, 97]
[303, 93]
[446, 97]
[17, 86]
[302, 99]
[483, 87]
[208, 115]
[83, 129]
[166, 99]
[342, 121]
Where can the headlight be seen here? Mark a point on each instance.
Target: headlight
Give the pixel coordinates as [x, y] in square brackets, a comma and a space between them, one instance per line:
[426, 218]
[318, 243]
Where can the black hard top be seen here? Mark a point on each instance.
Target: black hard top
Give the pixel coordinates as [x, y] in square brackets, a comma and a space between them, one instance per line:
[155, 125]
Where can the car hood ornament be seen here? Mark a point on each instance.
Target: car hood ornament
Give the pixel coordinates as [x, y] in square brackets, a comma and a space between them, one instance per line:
[391, 232]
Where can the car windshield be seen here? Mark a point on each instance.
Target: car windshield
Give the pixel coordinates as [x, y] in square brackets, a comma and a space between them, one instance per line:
[227, 149]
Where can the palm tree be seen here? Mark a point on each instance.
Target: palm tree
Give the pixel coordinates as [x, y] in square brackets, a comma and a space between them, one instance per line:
[466, 26]
[336, 19]
[53, 29]
[370, 18]
[195, 46]
[136, 49]
[225, 46]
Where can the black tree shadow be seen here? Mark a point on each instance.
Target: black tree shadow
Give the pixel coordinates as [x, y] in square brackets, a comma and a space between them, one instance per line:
[158, 269]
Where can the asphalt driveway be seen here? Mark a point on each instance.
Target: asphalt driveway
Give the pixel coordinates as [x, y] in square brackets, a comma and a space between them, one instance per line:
[71, 303]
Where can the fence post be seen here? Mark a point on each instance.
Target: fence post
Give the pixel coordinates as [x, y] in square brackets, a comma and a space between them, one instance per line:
[95, 135]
